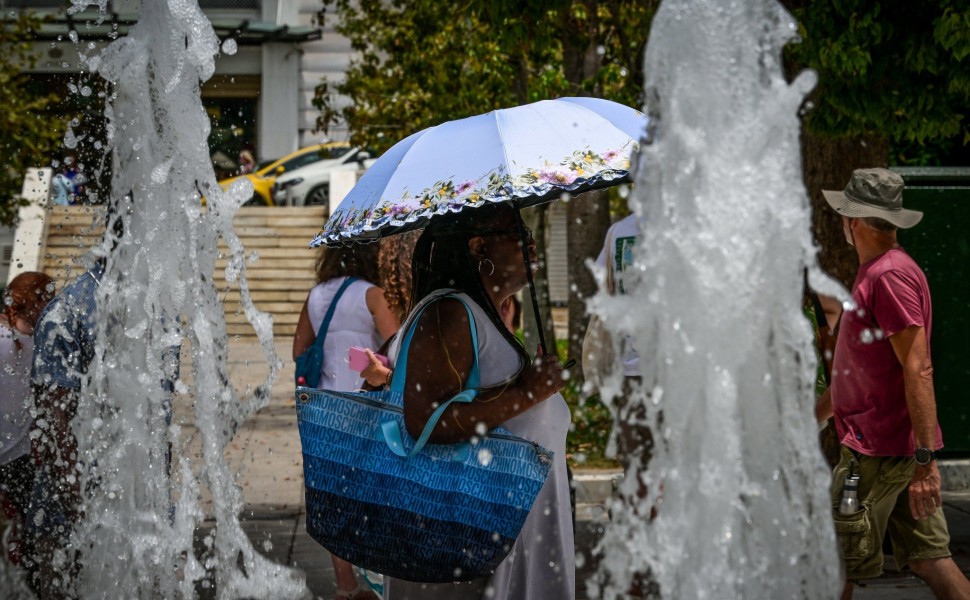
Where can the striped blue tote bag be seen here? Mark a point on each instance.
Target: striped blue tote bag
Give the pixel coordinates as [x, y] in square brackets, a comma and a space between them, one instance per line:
[404, 508]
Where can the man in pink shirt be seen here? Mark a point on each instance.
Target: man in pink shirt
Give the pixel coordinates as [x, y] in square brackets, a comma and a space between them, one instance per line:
[883, 400]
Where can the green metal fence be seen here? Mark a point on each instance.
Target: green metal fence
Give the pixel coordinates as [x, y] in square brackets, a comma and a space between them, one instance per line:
[941, 246]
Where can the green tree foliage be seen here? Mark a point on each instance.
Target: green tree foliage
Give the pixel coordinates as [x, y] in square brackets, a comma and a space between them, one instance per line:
[896, 69]
[28, 135]
[423, 62]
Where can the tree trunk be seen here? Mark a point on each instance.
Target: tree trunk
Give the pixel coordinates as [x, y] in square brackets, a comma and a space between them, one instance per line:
[588, 218]
[827, 164]
[535, 219]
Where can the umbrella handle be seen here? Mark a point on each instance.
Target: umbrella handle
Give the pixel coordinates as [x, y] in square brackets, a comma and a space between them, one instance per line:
[532, 286]
[532, 290]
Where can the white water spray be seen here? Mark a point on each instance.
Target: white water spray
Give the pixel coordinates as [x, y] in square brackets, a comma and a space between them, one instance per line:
[716, 309]
[157, 290]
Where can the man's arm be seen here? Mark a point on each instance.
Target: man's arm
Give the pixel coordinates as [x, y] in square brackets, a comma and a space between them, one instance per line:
[913, 353]
[823, 406]
[832, 309]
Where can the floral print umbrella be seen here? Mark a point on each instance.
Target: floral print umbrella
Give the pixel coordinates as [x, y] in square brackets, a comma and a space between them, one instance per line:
[528, 154]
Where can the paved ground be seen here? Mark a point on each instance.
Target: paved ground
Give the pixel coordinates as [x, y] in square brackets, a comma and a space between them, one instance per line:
[291, 545]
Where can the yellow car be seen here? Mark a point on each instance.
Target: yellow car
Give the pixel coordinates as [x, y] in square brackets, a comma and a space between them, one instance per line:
[264, 177]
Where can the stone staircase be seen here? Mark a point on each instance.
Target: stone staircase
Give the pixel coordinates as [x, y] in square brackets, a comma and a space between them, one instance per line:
[278, 281]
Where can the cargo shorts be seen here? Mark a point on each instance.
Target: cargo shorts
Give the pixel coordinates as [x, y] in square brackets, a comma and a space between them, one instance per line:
[884, 506]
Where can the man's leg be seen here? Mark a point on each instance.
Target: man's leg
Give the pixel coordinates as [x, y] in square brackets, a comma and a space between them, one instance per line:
[924, 546]
[860, 534]
[847, 591]
[944, 578]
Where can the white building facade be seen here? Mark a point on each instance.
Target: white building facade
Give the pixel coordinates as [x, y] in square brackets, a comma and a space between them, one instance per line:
[261, 94]
[260, 98]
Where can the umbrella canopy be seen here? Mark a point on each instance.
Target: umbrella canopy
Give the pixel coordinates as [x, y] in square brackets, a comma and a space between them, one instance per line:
[527, 154]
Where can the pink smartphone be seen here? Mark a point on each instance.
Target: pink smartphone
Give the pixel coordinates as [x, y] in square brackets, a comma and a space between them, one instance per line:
[359, 360]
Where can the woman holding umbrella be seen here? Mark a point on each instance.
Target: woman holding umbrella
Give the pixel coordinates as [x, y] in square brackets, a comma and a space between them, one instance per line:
[464, 181]
[479, 255]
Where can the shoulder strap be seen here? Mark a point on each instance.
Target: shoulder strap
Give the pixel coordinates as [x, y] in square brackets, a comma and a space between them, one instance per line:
[400, 368]
[325, 325]
[392, 434]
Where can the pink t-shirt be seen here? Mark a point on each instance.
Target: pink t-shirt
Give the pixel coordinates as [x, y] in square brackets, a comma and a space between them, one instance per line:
[868, 397]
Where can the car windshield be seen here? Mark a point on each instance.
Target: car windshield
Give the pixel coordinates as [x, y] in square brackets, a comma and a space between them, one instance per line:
[336, 151]
[306, 157]
[302, 160]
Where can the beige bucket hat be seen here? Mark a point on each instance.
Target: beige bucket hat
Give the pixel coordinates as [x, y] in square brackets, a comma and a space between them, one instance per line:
[874, 193]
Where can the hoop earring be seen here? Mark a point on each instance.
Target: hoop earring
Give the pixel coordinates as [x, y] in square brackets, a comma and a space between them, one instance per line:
[491, 271]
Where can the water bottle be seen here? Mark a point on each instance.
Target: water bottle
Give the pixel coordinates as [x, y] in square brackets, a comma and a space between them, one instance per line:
[850, 498]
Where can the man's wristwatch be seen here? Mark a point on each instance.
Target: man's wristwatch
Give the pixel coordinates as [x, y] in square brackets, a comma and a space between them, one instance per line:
[925, 456]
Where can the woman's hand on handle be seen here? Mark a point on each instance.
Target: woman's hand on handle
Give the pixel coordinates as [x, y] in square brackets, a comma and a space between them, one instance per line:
[543, 377]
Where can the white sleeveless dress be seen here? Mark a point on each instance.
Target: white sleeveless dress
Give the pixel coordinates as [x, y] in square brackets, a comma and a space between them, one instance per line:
[541, 565]
[352, 325]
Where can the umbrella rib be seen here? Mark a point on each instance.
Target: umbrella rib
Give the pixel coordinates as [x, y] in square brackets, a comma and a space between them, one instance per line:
[555, 127]
[580, 107]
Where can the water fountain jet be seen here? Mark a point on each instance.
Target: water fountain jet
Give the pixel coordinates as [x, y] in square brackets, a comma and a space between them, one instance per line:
[136, 533]
[726, 354]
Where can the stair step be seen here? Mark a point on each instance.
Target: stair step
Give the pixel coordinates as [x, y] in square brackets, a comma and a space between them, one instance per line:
[279, 279]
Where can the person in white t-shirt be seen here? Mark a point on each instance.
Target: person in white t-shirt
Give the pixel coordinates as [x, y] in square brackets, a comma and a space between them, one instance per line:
[634, 438]
[361, 317]
[617, 257]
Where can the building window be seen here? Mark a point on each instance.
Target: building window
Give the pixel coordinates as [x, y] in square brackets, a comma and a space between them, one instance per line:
[231, 103]
[233, 131]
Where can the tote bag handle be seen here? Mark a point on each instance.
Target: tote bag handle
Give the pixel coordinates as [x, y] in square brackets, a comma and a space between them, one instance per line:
[391, 429]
